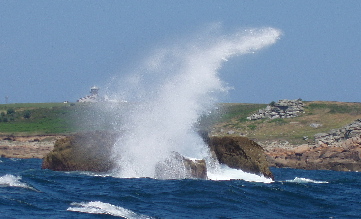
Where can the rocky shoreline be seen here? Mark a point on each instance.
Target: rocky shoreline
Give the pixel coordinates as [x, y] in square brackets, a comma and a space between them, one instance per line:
[342, 155]
[339, 149]
[92, 152]
[36, 146]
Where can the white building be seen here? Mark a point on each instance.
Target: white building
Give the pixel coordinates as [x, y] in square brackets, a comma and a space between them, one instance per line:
[92, 98]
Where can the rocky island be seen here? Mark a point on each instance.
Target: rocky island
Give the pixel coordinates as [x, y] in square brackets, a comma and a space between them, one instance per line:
[306, 135]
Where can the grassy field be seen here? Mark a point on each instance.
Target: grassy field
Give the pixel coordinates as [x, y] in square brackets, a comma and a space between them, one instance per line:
[34, 118]
[47, 118]
[65, 118]
[331, 115]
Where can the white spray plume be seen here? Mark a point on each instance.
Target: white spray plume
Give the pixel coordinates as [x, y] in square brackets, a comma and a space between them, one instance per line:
[174, 87]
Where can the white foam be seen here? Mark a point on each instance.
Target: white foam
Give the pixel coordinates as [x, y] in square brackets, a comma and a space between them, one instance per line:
[304, 180]
[88, 173]
[170, 91]
[98, 207]
[12, 181]
[226, 173]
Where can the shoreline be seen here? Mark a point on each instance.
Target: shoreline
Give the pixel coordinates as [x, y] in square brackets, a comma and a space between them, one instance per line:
[30, 146]
[343, 156]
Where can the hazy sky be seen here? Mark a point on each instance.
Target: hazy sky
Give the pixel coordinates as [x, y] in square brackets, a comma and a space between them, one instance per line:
[51, 51]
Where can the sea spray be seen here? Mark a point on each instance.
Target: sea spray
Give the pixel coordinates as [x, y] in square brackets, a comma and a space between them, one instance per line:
[171, 90]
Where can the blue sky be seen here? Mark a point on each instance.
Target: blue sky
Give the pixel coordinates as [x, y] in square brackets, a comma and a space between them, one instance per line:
[51, 51]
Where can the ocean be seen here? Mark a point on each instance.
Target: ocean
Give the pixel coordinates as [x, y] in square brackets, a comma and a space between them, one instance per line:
[169, 92]
[27, 191]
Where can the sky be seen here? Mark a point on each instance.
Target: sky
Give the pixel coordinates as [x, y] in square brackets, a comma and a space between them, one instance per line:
[52, 51]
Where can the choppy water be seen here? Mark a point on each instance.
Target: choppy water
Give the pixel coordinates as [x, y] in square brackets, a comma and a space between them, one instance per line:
[26, 191]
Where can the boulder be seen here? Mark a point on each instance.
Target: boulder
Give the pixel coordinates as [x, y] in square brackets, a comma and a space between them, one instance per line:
[240, 153]
[82, 152]
[92, 152]
[179, 167]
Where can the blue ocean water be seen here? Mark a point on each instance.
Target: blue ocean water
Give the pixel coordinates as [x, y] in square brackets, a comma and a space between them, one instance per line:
[26, 191]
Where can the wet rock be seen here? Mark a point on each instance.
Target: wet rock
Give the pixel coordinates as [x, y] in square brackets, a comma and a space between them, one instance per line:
[179, 167]
[240, 153]
[81, 152]
[91, 152]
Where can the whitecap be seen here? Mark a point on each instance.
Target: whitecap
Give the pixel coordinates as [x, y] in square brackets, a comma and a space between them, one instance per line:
[89, 173]
[12, 181]
[226, 173]
[98, 207]
[304, 180]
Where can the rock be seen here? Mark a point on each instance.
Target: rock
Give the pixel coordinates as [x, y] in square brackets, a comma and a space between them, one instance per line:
[315, 125]
[27, 146]
[92, 152]
[344, 156]
[240, 153]
[281, 109]
[301, 149]
[179, 167]
[81, 152]
[339, 135]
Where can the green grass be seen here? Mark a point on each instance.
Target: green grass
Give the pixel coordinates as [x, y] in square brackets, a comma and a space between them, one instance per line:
[335, 108]
[332, 115]
[45, 118]
[60, 118]
[239, 111]
[278, 121]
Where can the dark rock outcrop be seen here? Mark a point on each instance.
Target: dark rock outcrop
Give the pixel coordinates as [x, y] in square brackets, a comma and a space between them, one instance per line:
[91, 152]
[81, 152]
[240, 153]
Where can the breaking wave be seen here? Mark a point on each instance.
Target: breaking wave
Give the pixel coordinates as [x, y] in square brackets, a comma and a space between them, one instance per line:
[98, 207]
[12, 181]
[304, 180]
[168, 94]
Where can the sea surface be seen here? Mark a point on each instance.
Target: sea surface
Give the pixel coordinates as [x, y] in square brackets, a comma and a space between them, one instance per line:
[27, 191]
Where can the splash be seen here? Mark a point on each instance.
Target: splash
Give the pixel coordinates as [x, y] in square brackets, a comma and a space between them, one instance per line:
[12, 181]
[223, 172]
[304, 180]
[168, 94]
[97, 207]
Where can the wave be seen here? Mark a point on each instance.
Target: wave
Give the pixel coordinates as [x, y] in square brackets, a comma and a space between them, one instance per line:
[227, 173]
[171, 91]
[98, 207]
[12, 181]
[221, 173]
[304, 180]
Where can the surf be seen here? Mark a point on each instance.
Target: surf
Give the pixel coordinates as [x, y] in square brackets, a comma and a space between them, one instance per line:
[168, 93]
